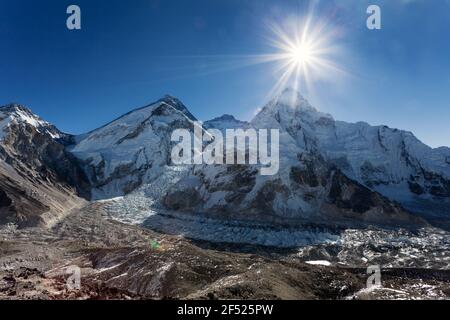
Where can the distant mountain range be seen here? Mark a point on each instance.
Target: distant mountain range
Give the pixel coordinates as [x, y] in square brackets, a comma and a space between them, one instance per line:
[331, 172]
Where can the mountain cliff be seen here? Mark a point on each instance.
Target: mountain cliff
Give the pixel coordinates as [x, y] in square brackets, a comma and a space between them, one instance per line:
[40, 180]
[331, 171]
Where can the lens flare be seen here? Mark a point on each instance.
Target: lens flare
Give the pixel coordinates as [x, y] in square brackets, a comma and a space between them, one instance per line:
[301, 54]
[305, 53]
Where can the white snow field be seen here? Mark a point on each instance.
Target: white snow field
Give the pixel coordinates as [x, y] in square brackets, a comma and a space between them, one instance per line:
[129, 165]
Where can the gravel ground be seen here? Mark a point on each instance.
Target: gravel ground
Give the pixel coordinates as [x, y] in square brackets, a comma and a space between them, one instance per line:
[119, 261]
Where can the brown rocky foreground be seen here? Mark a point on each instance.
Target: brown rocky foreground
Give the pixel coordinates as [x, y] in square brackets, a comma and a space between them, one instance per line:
[119, 261]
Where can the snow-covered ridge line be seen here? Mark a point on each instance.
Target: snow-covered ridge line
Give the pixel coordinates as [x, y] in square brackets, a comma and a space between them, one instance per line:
[149, 106]
[132, 150]
[390, 161]
[323, 162]
[16, 114]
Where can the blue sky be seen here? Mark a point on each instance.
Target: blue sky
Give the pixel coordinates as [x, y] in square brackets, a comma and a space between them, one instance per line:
[130, 53]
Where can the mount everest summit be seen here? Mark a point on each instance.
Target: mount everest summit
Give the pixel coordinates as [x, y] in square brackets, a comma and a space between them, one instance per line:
[331, 172]
[346, 196]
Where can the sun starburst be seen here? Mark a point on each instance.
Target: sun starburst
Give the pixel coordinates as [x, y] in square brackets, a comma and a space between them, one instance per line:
[305, 53]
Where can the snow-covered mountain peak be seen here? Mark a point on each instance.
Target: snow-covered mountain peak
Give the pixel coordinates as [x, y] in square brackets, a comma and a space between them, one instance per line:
[225, 117]
[133, 149]
[290, 98]
[132, 126]
[21, 113]
[15, 107]
[390, 161]
[297, 120]
[226, 121]
[289, 109]
[290, 93]
[177, 104]
[16, 114]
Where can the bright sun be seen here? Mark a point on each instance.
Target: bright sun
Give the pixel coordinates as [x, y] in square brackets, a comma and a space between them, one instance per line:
[305, 53]
[301, 54]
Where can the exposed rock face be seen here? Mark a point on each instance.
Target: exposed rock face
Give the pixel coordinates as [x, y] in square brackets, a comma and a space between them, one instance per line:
[122, 262]
[182, 199]
[39, 176]
[41, 181]
[313, 184]
[226, 122]
[26, 148]
[308, 190]
[389, 161]
[17, 206]
[132, 150]
[329, 170]
[359, 203]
